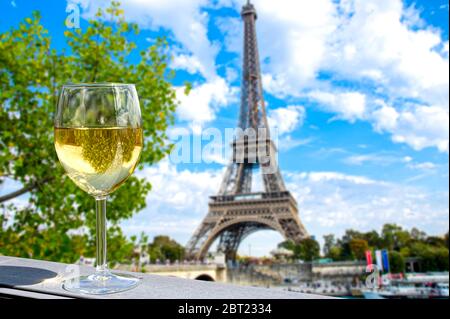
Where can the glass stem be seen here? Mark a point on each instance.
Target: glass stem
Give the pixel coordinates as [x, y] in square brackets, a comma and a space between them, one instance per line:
[100, 209]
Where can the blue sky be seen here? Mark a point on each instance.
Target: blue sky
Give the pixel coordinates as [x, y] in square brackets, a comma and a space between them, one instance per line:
[358, 90]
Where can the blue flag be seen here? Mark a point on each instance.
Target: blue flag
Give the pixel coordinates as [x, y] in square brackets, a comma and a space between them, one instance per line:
[385, 258]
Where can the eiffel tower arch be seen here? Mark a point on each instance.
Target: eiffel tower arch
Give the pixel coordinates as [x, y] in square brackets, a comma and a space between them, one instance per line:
[237, 211]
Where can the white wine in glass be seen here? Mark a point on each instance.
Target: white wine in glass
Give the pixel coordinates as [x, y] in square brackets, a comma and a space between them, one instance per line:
[98, 160]
[99, 139]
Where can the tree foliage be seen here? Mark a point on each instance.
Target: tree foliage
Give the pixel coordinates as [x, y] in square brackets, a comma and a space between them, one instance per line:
[55, 220]
[307, 250]
[329, 243]
[446, 240]
[432, 258]
[359, 248]
[431, 251]
[396, 262]
[164, 248]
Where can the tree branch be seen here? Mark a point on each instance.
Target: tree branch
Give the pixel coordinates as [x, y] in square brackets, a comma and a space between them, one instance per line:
[23, 190]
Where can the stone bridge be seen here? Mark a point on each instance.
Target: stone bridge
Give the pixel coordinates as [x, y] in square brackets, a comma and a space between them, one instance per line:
[257, 275]
[197, 272]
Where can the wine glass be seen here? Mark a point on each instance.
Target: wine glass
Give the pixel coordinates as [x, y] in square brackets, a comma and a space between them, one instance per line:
[99, 139]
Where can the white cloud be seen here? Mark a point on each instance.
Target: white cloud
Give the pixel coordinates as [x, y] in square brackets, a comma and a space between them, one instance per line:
[349, 106]
[286, 119]
[186, 62]
[317, 177]
[204, 100]
[380, 159]
[385, 118]
[445, 49]
[381, 34]
[384, 159]
[423, 166]
[181, 188]
[407, 159]
[231, 75]
[418, 126]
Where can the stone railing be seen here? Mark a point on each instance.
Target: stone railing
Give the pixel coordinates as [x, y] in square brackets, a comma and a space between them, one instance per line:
[30, 278]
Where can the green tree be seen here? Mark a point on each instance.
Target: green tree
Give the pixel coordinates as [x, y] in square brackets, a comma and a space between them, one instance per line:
[442, 259]
[332, 248]
[418, 235]
[165, 248]
[308, 249]
[288, 244]
[431, 258]
[344, 243]
[31, 71]
[405, 252]
[432, 251]
[335, 253]
[435, 241]
[396, 262]
[359, 248]
[329, 243]
[373, 239]
[395, 237]
[446, 239]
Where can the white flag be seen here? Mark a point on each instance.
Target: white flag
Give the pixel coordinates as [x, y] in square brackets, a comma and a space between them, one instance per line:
[379, 259]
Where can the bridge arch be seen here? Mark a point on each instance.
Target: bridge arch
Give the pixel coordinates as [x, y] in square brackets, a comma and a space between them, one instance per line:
[248, 225]
[204, 277]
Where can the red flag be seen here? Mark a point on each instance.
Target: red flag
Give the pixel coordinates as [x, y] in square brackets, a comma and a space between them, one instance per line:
[369, 259]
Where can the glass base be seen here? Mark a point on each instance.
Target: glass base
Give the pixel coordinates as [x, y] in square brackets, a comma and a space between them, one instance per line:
[101, 284]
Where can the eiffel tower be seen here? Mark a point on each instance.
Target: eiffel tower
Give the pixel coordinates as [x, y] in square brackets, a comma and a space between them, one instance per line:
[236, 212]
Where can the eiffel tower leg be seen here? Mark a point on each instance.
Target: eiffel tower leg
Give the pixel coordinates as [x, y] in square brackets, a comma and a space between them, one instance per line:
[196, 243]
[229, 243]
[231, 238]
